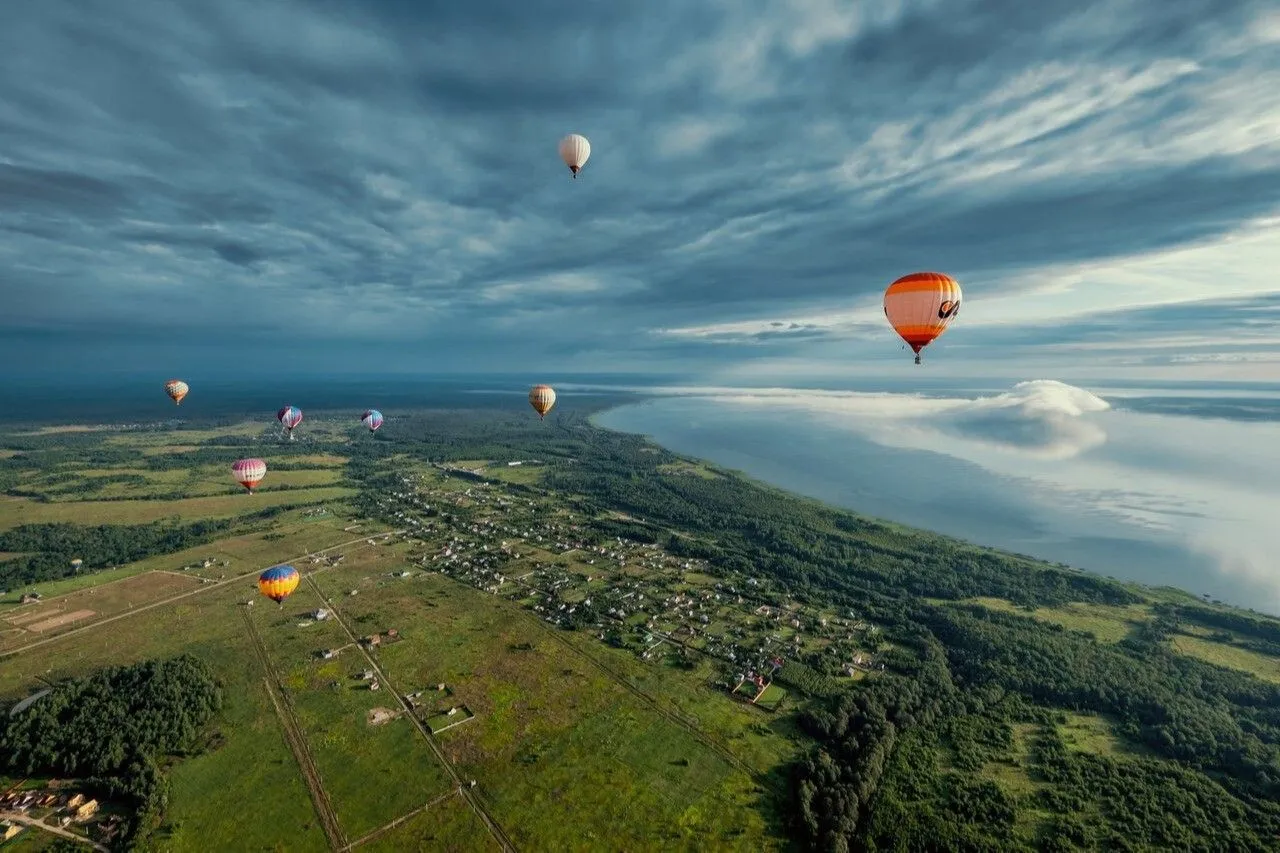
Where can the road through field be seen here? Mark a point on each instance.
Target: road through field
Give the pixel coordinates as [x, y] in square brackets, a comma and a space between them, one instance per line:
[25, 820]
[464, 789]
[385, 828]
[296, 741]
[171, 599]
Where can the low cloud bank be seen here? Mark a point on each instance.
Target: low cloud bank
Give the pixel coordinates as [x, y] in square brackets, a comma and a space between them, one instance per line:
[1042, 417]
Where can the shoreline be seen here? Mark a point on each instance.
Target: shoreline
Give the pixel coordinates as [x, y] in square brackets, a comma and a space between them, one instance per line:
[767, 484]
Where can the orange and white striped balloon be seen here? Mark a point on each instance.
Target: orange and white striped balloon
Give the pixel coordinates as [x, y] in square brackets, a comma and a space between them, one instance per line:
[920, 306]
[542, 398]
[176, 389]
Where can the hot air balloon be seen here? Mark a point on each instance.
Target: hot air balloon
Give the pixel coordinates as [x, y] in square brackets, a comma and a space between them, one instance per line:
[249, 472]
[277, 582]
[542, 398]
[177, 389]
[920, 306]
[372, 418]
[76, 564]
[289, 417]
[575, 150]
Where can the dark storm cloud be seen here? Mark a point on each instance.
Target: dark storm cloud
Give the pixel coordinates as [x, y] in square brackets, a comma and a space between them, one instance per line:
[387, 171]
[49, 190]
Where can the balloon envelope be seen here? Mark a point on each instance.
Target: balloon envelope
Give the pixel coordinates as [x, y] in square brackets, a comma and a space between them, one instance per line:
[575, 150]
[372, 418]
[176, 389]
[920, 306]
[290, 416]
[249, 472]
[542, 398]
[277, 582]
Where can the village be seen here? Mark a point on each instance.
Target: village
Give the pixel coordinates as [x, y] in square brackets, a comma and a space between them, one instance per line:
[56, 808]
[514, 542]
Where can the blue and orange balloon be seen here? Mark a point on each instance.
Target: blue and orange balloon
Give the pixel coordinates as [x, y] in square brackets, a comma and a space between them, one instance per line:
[372, 418]
[278, 582]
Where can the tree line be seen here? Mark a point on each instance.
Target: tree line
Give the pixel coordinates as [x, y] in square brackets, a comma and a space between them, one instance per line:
[48, 549]
[111, 730]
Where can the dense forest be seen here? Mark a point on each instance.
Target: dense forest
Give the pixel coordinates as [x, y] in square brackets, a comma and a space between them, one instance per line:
[1195, 757]
[112, 729]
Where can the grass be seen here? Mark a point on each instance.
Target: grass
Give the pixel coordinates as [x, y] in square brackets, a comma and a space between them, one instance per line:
[37, 621]
[772, 698]
[221, 799]
[1096, 734]
[561, 750]
[218, 796]
[95, 485]
[216, 791]
[449, 826]
[373, 774]
[29, 840]
[524, 475]
[290, 537]
[442, 720]
[1107, 624]
[24, 511]
[1263, 666]
[689, 468]
[1013, 774]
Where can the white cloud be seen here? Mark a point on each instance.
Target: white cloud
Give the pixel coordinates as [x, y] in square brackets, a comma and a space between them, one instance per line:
[1041, 418]
[1205, 485]
[560, 283]
[737, 58]
[692, 135]
[1038, 102]
[1239, 265]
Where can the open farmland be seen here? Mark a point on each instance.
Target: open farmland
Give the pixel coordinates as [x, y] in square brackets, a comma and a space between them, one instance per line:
[475, 660]
[553, 738]
[142, 511]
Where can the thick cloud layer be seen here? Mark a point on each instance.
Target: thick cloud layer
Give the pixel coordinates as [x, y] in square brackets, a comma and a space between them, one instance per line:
[384, 174]
[1041, 418]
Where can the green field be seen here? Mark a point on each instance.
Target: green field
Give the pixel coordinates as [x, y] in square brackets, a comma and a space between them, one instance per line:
[1266, 667]
[589, 637]
[1106, 624]
[554, 739]
[568, 748]
[22, 511]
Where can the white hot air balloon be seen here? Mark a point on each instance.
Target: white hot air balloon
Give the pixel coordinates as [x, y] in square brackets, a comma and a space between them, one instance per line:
[575, 150]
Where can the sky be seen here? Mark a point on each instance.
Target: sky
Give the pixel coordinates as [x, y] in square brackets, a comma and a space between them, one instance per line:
[205, 188]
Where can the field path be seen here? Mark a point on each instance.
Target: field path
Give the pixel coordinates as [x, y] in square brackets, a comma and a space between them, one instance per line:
[171, 599]
[667, 713]
[385, 828]
[660, 708]
[25, 820]
[464, 789]
[297, 742]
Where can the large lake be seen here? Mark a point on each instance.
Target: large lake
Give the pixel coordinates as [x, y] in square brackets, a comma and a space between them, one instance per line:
[1137, 486]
